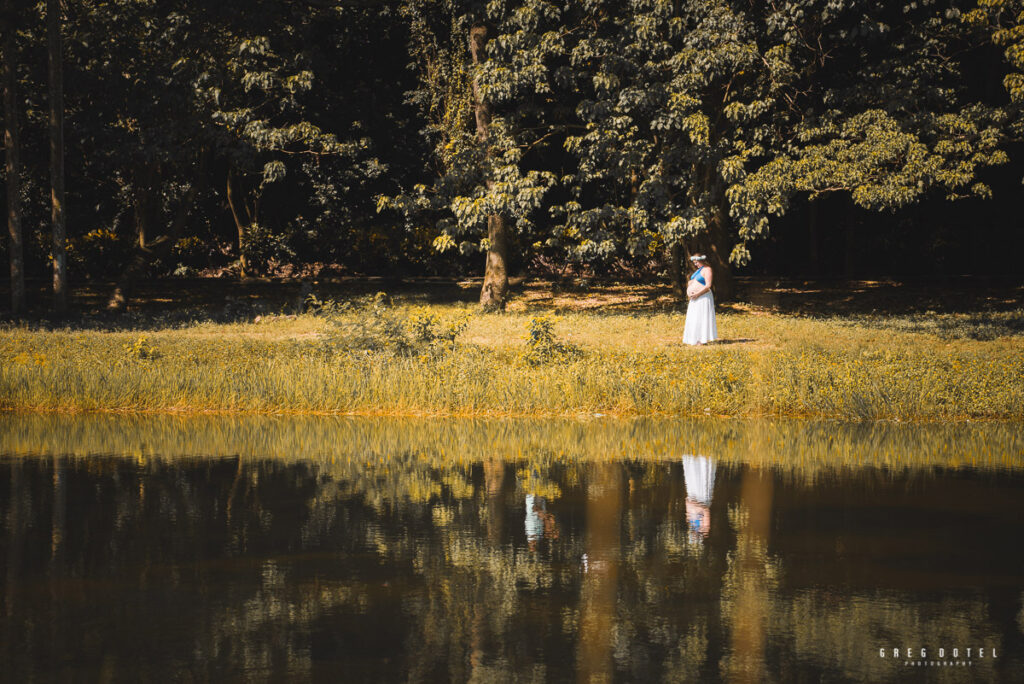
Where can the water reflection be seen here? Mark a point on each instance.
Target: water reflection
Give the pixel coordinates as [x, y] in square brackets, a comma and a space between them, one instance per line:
[420, 565]
[539, 523]
[700, 485]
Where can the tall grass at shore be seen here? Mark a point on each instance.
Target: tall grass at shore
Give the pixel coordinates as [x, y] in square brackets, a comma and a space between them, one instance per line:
[374, 358]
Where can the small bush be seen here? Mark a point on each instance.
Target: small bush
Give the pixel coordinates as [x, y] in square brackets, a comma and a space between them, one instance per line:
[190, 253]
[141, 349]
[375, 325]
[429, 328]
[98, 253]
[541, 344]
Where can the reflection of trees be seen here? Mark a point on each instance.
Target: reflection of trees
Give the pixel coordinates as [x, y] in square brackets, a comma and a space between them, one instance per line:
[15, 521]
[417, 567]
[750, 580]
[80, 534]
[598, 596]
[833, 632]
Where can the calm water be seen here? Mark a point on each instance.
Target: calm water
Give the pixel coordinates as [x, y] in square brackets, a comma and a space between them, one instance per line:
[343, 550]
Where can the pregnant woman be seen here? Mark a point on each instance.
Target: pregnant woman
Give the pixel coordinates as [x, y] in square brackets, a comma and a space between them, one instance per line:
[700, 314]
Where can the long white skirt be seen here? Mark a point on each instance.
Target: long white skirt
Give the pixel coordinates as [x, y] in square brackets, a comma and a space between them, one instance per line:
[700, 320]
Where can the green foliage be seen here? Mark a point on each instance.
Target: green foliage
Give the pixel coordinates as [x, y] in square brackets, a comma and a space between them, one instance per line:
[141, 350]
[614, 129]
[542, 346]
[482, 173]
[373, 324]
[428, 327]
[705, 119]
[98, 253]
[264, 245]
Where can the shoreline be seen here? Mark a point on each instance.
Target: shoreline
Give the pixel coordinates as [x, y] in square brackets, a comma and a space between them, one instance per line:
[581, 416]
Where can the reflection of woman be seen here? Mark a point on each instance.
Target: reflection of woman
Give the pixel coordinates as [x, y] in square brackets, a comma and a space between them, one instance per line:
[700, 313]
[699, 472]
[539, 523]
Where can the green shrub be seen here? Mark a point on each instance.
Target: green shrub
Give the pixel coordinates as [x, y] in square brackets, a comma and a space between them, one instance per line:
[542, 346]
[374, 324]
[141, 349]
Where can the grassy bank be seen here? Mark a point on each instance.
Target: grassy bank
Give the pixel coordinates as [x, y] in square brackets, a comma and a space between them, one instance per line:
[801, 447]
[387, 357]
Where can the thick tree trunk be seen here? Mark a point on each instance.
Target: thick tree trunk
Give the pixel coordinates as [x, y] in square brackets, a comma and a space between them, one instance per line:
[243, 219]
[494, 293]
[814, 239]
[143, 202]
[15, 249]
[60, 276]
[718, 257]
[850, 252]
[675, 270]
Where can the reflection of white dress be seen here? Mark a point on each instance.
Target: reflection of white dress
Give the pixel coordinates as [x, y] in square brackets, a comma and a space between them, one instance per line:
[534, 525]
[699, 472]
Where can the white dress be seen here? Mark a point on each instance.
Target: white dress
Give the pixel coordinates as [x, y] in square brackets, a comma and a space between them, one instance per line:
[700, 325]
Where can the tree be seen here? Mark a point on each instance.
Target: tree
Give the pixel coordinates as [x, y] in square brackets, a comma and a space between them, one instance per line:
[272, 118]
[888, 119]
[489, 70]
[228, 115]
[12, 148]
[659, 147]
[1002, 21]
[56, 60]
[703, 119]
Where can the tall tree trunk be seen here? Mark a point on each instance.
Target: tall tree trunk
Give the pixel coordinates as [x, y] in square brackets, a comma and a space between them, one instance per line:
[675, 270]
[12, 147]
[60, 275]
[494, 293]
[850, 251]
[143, 202]
[814, 238]
[243, 219]
[718, 257]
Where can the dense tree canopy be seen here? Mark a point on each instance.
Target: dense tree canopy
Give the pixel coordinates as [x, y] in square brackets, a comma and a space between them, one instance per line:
[588, 136]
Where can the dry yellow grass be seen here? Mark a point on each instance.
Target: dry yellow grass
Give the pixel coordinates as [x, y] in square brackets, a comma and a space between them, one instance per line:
[612, 359]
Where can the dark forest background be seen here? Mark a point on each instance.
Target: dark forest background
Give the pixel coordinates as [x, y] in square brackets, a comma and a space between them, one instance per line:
[804, 138]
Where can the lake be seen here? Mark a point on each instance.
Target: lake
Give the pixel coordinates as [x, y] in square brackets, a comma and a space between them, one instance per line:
[214, 548]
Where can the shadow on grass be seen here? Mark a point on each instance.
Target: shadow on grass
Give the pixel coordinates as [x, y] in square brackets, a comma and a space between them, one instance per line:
[174, 302]
[971, 308]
